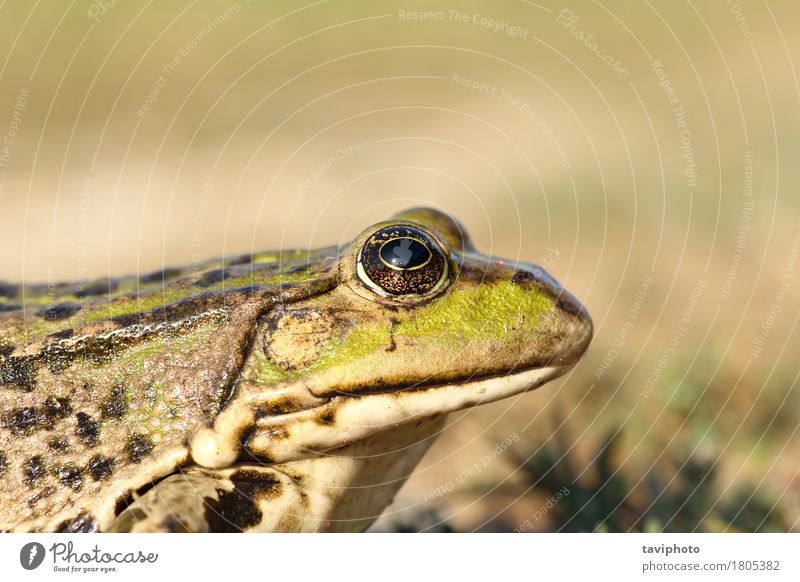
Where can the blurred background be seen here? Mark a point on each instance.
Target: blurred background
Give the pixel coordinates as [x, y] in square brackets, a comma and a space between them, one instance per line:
[644, 153]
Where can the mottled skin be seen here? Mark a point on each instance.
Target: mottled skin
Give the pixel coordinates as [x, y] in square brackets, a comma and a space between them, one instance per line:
[275, 392]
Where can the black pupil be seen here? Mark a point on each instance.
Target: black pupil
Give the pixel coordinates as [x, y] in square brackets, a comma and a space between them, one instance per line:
[405, 253]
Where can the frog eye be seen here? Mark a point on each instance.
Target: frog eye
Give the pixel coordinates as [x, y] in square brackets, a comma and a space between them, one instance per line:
[402, 260]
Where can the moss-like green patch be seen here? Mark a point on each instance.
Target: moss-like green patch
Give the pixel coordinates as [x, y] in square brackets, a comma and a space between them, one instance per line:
[490, 312]
[485, 311]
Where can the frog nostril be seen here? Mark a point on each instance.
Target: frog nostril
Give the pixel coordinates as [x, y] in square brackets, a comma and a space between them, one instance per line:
[522, 277]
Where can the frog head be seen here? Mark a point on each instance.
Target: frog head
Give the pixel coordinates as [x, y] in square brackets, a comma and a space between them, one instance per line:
[417, 324]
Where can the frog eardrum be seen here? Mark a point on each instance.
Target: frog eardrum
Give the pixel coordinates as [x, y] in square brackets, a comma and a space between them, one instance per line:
[403, 260]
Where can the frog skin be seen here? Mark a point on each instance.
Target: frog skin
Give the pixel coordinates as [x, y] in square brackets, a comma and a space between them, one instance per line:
[289, 391]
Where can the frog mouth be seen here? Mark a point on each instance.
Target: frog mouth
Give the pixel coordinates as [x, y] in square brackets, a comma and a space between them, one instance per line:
[347, 418]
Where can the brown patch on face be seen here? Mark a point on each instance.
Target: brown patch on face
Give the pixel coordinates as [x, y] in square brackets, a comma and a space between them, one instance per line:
[294, 339]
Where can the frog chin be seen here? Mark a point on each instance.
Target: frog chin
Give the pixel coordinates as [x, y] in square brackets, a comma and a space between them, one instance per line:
[346, 419]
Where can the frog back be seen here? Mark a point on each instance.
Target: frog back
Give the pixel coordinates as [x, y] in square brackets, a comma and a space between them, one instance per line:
[99, 392]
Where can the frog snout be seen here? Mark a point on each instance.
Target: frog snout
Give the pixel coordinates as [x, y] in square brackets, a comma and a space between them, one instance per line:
[576, 328]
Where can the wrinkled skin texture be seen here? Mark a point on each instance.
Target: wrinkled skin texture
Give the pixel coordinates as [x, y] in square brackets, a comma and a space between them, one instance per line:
[274, 392]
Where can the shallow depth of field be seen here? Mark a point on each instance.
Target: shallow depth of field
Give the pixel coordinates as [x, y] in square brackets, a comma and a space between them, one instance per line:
[645, 154]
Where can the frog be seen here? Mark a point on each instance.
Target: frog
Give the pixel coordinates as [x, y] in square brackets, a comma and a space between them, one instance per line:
[287, 391]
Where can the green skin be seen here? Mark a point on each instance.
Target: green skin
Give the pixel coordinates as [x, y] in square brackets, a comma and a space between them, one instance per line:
[282, 393]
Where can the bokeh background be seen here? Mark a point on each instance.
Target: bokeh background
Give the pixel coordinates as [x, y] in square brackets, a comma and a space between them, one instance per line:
[645, 153]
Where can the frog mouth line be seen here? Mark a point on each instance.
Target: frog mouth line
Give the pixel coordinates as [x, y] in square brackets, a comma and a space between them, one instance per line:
[495, 386]
[455, 383]
[341, 421]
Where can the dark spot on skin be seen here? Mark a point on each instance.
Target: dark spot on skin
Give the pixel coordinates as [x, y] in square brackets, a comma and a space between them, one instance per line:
[280, 405]
[100, 467]
[55, 408]
[241, 260]
[24, 421]
[522, 277]
[300, 268]
[56, 358]
[138, 447]
[326, 416]
[3, 462]
[34, 470]
[21, 421]
[18, 371]
[114, 405]
[10, 307]
[123, 502]
[58, 444]
[59, 311]
[392, 344]
[211, 278]
[49, 289]
[296, 478]
[70, 476]
[6, 351]
[95, 288]
[84, 523]
[191, 306]
[102, 348]
[238, 510]
[88, 429]
[63, 334]
[159, 276]
[8, 290]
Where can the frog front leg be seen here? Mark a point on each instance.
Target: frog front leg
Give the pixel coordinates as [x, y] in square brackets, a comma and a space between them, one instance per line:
[242, 498]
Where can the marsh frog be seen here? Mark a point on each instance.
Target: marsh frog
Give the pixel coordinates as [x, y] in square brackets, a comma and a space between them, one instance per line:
[288, 391]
